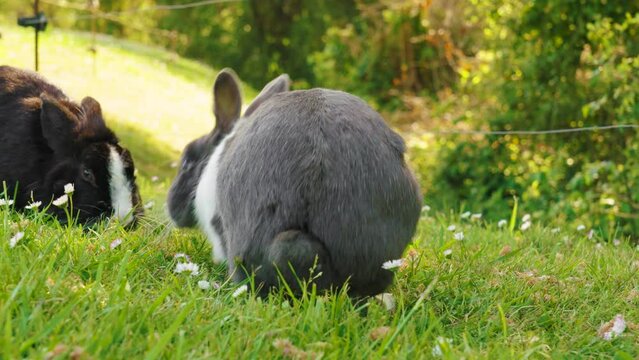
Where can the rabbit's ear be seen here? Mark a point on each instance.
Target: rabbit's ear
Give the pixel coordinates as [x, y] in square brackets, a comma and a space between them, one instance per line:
[93, 112]
[281, 84]
[58, 125]
[227, 100]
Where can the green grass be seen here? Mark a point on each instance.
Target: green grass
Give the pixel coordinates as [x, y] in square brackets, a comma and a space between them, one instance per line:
[64, 290]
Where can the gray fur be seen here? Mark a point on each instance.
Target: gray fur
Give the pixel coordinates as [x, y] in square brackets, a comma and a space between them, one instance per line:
[227, 107]
[315, 178]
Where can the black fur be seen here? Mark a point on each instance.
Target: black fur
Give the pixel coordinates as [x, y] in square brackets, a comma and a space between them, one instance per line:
[47, 141]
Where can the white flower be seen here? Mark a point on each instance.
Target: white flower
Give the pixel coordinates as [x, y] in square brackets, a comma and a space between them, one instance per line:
[154, 178]
[476, 216]
[387, 300]
[613, 328]
[61, 201]
[240, 290]
[69, 189]
[459, 235]
[465, 215]
[391, 264]
[149, 205]
[581, 227]
[448, 252]
[174, 165]
[14, 240]
[555, 230]
[182, 256]
[591, 234]
[452, 228]
[425, 208]
[526, 218]
[616, 242]
[204, 285]
[502, 223]
[437, 350]
[115, 243]
[33, 205]
[4, 202]
[525, 226]
[193, 268]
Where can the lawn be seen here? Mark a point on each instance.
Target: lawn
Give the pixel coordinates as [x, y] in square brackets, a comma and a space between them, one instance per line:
[475, 291]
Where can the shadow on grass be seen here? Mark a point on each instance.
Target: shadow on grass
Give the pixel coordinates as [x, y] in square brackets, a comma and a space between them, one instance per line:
[151, 157]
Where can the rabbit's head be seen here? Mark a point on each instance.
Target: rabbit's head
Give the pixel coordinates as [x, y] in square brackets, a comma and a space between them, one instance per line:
[227, 107]
[86, 154]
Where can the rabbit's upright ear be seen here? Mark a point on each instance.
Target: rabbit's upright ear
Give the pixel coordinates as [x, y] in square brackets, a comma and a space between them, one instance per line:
[227, 100]
[280, 84]
[93, 112]
[58, 125]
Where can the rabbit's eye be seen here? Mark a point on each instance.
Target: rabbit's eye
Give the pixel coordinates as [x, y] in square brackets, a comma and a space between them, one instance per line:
[87, 175]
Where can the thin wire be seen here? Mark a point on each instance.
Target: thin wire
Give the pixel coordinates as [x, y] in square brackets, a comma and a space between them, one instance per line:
[146, 9]
[530, 132]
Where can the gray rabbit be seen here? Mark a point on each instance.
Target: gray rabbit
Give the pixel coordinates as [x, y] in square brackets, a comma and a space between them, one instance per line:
[307, 185]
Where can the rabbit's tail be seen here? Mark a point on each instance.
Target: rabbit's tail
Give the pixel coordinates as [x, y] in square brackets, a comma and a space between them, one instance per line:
[300, 260]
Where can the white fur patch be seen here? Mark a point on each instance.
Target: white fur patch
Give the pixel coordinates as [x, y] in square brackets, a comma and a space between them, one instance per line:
[206, 205]
[120, 188]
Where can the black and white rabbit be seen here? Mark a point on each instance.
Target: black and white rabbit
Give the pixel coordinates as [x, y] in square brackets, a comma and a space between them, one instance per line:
[48, 141]
[305, 179]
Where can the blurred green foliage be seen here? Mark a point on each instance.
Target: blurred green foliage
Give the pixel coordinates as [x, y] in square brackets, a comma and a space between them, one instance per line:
[555, 64]
[500, 65]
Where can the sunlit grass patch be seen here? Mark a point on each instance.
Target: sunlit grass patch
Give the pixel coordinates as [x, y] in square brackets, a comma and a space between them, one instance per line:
[142, 86]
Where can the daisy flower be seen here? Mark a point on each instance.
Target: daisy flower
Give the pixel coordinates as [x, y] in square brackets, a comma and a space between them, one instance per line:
[115, 243]
[437, 349]
[502, 223]
[391, 264]
[14, 240]
[61, 201]
[459, 235]
[387, 299]
[190, 267]
[69, 188]
[33, 205]
[4, 202]
[240, 290]
[613, 328]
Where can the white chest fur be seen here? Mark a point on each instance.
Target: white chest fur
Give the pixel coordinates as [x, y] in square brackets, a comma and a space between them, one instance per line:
[206, 201]
[120, 188]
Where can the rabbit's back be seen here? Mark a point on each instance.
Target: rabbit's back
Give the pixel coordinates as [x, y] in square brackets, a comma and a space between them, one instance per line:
[22, 147]
[325, 163]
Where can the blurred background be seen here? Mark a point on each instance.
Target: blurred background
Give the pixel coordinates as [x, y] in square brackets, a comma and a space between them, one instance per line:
[428, 65]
